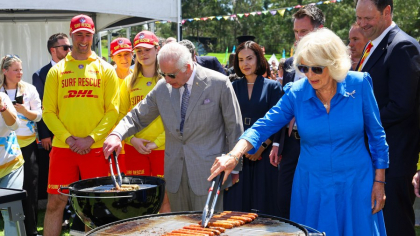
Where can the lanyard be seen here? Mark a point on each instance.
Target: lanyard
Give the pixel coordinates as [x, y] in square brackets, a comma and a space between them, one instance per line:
[17, 86]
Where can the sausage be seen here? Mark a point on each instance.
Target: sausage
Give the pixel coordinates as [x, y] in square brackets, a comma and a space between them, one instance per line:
[239, 213]
[233, 223]
[215, 231]
[220, 229]
[242, 221]
[252, 217]
[196, 232]
[221, 224]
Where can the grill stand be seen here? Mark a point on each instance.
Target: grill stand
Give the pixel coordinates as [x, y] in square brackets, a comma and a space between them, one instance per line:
[10, 201]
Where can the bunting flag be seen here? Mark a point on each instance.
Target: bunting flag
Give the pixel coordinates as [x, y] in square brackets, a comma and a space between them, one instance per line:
[284, 54]
[238, 16]
[291, 52]
[233, 49]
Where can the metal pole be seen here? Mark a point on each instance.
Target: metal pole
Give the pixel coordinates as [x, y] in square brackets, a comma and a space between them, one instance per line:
[128, 32]
[109, 44]
[179, 28]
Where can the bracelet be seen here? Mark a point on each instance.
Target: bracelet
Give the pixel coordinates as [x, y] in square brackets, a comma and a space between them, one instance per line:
[236, 158]
[382, 182]
[4, 108]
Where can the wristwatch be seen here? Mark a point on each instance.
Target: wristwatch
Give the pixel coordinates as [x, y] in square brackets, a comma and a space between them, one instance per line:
[264, 145]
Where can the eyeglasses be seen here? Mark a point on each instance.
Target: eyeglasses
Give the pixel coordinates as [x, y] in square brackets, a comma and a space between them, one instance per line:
[170, 75]
[316, 69]
[65, 47]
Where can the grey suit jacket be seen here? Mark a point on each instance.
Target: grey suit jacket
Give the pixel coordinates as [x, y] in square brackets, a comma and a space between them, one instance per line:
[212, 126]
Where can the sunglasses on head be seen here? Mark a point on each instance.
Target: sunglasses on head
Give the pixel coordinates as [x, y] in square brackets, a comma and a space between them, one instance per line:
[65, 47]
[170, 75]
[7, 57]
[316, 69]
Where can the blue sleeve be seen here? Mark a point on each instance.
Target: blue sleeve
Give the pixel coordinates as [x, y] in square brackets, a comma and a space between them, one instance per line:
[373, 127]
[277, 117]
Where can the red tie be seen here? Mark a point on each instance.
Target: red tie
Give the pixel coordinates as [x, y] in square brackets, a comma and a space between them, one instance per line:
[365, 55]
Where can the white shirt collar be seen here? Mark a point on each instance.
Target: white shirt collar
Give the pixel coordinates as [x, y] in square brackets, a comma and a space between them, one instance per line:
[376, 41]
[191, 79]
[53, 63]
[189, 83]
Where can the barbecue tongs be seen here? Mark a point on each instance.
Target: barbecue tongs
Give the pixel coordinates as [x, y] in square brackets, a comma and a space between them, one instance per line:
[207, 214]
[114, 181]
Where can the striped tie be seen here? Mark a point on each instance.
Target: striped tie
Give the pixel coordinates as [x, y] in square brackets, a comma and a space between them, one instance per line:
[184, 106]
[365, 55]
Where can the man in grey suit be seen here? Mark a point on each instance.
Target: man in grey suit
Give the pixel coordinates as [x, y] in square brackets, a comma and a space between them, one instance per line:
[202, 120]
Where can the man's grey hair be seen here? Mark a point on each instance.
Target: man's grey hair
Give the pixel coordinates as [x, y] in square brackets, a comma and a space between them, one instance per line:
[187, 43]
[177, 53]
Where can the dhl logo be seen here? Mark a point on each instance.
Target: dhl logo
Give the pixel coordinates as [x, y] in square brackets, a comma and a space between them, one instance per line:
[80, 93]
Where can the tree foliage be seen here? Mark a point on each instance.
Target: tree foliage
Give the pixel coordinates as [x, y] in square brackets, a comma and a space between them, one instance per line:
[274, 32]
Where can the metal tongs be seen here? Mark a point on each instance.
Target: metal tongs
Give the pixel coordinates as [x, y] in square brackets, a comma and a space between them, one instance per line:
[207, 214]
[118, 184]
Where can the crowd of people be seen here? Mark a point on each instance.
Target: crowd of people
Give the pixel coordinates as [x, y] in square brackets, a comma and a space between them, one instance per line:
[331, 135]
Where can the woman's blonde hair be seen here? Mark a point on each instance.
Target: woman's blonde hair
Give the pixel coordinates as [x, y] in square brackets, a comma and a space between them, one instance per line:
[324, 48]
[6, 62]
[138, 69]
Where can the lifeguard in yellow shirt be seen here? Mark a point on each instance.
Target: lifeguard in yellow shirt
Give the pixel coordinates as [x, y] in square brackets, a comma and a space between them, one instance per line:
[122, 55]
[145, 150]
[81, 102]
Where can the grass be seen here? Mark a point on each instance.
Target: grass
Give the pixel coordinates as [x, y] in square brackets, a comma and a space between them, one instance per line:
[220, 56]
[41, 215]
[40, 227]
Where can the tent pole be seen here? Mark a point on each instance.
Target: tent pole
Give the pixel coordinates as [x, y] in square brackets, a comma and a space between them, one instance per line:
[179, 28]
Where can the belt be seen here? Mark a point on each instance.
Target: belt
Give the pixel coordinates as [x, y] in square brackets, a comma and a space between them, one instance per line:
[295, 134]
[247, 121]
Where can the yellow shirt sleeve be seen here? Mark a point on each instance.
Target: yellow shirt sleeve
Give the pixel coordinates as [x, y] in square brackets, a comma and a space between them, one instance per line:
[50, 106]
[112, 101]
[418, 164]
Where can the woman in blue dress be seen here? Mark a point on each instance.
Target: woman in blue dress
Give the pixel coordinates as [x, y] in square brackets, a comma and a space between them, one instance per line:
[338, 185]
[256, 96]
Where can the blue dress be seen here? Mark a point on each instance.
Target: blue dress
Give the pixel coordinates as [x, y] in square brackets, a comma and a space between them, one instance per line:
[334, 177]
[255, 189]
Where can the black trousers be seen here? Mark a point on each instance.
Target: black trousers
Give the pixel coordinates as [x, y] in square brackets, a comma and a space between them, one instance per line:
[30, 184]
[398, 211]
[290, 153]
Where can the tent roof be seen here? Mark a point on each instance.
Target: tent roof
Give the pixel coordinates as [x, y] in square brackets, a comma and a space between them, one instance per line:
[105, 12]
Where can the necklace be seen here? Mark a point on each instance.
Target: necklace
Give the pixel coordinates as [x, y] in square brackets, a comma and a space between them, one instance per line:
[322, 100]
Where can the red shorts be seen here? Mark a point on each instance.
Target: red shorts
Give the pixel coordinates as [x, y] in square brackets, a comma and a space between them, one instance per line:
[138, 164]
[66, 167]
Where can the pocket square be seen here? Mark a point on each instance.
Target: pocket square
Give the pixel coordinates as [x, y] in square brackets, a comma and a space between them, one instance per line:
[206, 101]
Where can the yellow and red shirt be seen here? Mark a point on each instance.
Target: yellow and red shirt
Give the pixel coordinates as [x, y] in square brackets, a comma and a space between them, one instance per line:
[129, 97]
[81, 98]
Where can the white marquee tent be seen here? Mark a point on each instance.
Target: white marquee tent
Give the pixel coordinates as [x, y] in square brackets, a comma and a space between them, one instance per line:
[25, 25]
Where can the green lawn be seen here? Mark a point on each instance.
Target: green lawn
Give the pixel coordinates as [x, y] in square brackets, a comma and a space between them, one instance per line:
[219, 56]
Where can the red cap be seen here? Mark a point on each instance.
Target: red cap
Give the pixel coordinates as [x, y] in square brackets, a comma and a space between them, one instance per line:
[146, 39]
[82, 22]
[120, 45]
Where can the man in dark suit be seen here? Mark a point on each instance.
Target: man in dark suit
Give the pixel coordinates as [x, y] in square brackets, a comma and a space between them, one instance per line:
[58, 46]
[211, 63]
[286, 147]
[205, 61]
[394, 65]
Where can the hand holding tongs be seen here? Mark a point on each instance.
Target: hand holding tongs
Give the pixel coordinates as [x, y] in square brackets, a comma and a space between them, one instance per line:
[205, 218]
[114, 181]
